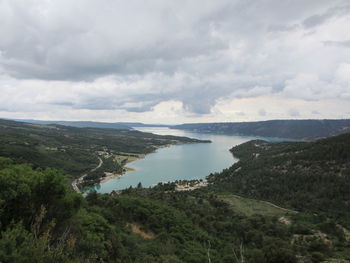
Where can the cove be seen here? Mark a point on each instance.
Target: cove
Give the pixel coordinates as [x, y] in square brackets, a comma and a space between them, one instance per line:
[179, 162]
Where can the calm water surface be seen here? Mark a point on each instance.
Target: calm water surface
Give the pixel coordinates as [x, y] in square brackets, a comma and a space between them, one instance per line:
[178, 162]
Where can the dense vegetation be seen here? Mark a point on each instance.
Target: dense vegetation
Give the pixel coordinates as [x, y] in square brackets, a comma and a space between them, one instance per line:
[74, 150]
[312, 177]
[93, 124]
[295, 129]
[43, 220]
[83, 124]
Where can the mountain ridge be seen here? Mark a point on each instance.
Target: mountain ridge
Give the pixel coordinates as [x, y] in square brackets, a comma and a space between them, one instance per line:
[308, 129]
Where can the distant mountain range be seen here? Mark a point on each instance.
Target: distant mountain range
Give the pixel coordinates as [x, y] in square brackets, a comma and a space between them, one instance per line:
[294, 129]
[94, 124]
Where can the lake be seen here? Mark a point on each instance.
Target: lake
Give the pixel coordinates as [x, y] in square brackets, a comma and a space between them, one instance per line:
[179, 162]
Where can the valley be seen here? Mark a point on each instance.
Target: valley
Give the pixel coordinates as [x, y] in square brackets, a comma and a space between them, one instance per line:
[275, 201]
[79, 151]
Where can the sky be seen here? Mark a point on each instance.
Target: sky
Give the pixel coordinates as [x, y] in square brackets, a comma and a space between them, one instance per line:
[160, 61]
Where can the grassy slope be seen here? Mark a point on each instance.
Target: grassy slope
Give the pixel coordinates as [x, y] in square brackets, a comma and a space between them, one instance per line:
[250, 207]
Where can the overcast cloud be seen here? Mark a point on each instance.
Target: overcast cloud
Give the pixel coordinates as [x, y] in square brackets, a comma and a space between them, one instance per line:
[174, 61]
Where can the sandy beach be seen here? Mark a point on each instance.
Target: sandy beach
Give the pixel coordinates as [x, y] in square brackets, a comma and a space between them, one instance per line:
[110, 176]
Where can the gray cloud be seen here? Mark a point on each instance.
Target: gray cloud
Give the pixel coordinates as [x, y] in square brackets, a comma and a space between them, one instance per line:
[293, 112]
[131, 56]
[117, 39]
[318, 19]
[282, 28]
[345, 43]
[262, 112]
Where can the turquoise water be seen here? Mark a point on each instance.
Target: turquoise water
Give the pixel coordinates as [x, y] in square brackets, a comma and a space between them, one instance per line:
[178, 162]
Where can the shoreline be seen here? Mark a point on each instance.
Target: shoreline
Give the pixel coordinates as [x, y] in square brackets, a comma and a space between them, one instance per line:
[126, 169]
[116, 175]
[110, 176]
[104, 179]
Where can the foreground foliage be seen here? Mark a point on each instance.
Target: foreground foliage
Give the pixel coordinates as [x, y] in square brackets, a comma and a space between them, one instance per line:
[311, 177]
[42, 220]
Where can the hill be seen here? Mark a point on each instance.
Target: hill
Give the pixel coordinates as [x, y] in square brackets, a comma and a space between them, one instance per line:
[76, 150]
[294, 129]
[82, 124]
[42, 221]
[95, 124]
[306, 176]
[312, 178]
[282, 202]
[309, 176]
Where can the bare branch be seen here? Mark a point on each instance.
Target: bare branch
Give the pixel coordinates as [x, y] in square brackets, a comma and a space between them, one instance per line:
[208, 251]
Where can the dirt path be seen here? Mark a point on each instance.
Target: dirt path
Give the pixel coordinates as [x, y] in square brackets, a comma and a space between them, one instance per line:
[137, 230]
[81, 178]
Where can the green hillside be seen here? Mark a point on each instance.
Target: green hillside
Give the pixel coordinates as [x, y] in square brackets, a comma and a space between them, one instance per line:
[293, 129]
[308, 176]
[42, 221]
[283, 202]
[82, 124]
[74, 150]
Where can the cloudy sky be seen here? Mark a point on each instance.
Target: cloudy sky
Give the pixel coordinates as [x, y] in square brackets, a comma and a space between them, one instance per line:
[160, 61]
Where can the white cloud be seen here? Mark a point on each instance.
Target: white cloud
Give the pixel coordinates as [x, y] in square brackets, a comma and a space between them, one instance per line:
[343, 75]
[124, 59]
[311, 87]
[262, 112]
[293, 112]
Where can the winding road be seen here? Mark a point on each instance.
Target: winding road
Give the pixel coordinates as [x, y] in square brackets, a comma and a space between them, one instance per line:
[81, 178]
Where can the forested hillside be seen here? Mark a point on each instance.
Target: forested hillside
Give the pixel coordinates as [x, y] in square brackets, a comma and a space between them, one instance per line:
[82, 124]
[43, 221]
[293, 129]
[95, 124]
[282, 202]
[308, 176]
[75, 150]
